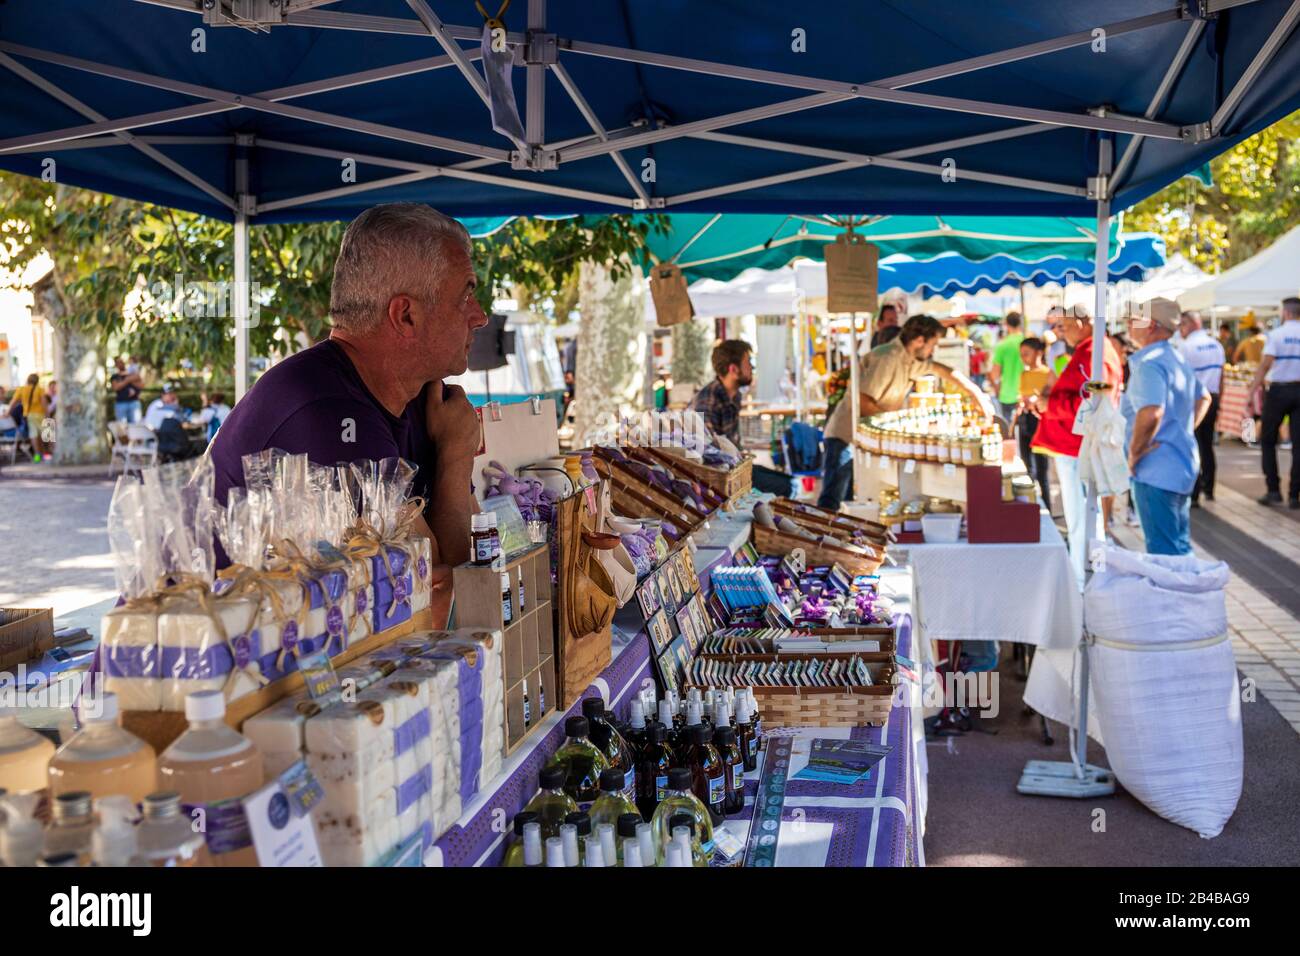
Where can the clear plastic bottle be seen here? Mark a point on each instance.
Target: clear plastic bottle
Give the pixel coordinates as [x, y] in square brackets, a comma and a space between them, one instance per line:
[551, 804]
[627, 825]
[681, 799]
[582, 761]
[24, 755]
[166, 836]
[612, 802]
[576, 829]
[21, 837]
[114, 841]
[684, 838]
[103, 759]
[527, 847]
[71, 825]
[612, 744]
[213, 767]
[515, 852]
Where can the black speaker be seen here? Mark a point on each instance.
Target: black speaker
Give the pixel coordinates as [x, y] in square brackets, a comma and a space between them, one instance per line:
[491, 345]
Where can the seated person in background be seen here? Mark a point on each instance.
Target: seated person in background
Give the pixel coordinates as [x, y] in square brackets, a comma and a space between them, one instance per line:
[719, 405]
[213, 413]
[167, 405]
[404, 315]
[885, 376]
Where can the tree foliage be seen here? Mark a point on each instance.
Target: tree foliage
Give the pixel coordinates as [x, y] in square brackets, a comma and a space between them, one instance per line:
[1254, 200]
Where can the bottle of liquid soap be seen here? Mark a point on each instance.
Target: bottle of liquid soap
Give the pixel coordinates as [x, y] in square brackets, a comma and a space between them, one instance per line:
[21, 838]
[114, 841]
[103, 759]
[582, 761]
[526, 850]
[71, 826]
[213, 767]
[166, 836]
[551, 804]
[612, 744]
[612, 803]
[681, 799]
[24, 755]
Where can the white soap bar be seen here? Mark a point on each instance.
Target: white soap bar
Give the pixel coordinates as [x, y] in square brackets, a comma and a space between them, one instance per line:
[358, 608]
[132, 637]
[279, 728]
[187, 627]
[351, 728]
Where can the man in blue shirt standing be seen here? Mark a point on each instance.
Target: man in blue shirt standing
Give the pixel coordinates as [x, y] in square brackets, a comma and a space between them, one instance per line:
[1163, 404]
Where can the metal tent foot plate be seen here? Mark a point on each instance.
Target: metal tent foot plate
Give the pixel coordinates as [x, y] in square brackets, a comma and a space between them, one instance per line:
[1056, 778]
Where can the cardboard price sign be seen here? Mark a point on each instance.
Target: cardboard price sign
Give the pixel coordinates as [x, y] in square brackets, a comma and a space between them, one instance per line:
[852, 274]
[668, 289]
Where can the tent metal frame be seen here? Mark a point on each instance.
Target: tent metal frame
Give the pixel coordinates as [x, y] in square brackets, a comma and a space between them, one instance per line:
[541, 53]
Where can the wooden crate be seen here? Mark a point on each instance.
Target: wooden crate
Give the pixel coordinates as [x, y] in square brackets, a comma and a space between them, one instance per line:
[855, 561]
[829, 522]
[528, 649]
[25, 634]
[729, 483]
[634, 493]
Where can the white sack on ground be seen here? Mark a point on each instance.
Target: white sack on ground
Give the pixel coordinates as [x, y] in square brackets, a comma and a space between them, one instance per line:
[1165, 684]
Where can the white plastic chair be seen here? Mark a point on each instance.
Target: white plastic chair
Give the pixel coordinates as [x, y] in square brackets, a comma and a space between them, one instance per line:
[118, 443]
[141, 447]
[9, 437]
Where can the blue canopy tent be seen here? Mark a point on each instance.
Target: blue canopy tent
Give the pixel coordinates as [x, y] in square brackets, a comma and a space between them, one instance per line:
[290, 110]
[950, 275]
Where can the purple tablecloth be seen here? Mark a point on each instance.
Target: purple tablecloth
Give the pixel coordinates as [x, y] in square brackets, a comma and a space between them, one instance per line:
[874, 823]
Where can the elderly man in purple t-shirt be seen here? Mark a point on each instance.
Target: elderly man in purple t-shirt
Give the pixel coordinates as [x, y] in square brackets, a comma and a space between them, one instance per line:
[404, 314]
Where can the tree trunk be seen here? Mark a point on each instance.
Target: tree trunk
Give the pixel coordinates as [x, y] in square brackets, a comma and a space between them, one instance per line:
[611, 347]
[81, 434]
[693, 353]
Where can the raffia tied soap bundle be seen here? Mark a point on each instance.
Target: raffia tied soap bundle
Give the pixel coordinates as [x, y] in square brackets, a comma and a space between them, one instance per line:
[321, 559]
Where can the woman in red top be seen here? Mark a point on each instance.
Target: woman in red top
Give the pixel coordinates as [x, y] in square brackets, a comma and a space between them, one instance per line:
[1055, 435]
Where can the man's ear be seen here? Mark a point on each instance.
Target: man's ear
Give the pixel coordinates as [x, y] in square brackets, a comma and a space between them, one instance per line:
[399, 315]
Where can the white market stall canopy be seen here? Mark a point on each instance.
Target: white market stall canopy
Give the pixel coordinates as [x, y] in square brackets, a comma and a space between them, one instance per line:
[1261, 282]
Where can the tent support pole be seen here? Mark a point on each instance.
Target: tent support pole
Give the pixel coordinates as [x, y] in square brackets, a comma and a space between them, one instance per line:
[1077, 778]
[241, 301]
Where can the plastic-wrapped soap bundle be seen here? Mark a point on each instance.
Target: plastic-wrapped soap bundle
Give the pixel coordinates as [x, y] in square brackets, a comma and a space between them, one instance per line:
[383, 530]
[161, 532]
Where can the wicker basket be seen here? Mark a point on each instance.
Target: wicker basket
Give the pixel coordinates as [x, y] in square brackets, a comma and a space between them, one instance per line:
[825, 706]
[855, 561]
[730, 483]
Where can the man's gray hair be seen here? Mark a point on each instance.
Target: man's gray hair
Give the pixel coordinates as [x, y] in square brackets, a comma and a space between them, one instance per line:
[1079, 312]
[388, 250]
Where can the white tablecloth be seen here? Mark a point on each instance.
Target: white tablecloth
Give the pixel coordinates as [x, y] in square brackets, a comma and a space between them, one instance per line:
[997, 592]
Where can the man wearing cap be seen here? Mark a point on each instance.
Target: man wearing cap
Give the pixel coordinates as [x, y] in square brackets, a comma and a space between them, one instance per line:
[1163, 404]
[1204, 353]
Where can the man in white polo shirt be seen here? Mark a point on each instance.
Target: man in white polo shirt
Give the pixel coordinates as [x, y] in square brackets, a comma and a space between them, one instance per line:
[1280, 367]
[1205, 355]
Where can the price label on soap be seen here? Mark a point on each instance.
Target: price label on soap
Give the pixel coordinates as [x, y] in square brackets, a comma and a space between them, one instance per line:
[910, 466]
[949, 469]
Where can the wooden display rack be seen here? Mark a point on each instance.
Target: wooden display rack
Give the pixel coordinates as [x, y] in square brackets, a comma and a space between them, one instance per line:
[730, 483]
[528, 653]
[159, 728]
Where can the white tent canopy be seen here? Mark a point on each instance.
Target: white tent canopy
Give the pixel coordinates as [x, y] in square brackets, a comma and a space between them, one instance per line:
[1170, 281]
[1261, 282]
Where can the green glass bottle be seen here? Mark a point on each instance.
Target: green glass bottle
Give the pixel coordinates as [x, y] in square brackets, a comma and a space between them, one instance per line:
[581, 761]
[552, 804]
[680, 799]
[610, 742]
[526, 850]
[612, 803]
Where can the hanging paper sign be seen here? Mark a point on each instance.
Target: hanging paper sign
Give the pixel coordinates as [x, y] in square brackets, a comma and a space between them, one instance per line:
[668, 289]
[851, 274]
[497, 63]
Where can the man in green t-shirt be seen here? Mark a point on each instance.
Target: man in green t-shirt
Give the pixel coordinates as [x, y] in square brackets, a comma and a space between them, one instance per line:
[1004, 372]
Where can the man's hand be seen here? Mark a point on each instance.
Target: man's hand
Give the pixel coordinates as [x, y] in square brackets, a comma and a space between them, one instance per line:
[452, 424]
[1136, 456]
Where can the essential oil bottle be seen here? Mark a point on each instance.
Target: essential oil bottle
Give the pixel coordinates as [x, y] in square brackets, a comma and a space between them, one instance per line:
[653, 764]
[708, 774]
[746, 734]
[507, 604]
[724, 739]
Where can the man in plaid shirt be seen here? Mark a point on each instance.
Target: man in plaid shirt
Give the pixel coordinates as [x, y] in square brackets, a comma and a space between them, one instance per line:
[719, 402]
